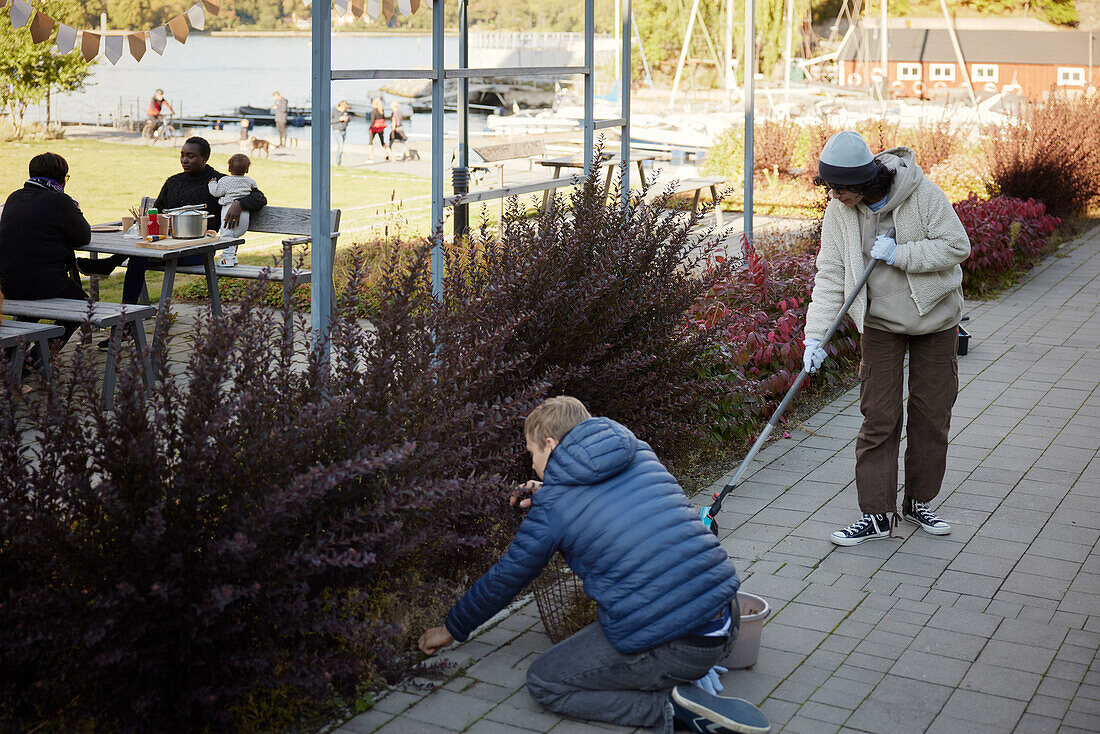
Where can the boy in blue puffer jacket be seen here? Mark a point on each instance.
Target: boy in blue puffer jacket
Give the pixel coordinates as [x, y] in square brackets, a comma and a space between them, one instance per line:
[664, 589]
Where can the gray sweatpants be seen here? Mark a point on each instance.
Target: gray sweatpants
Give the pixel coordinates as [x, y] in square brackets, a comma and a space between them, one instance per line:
[586, 678]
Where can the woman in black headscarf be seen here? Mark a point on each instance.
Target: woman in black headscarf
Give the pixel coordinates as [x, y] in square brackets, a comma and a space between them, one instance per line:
[40, 228]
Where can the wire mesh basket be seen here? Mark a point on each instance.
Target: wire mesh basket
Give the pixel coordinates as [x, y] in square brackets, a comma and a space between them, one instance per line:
[563, 606]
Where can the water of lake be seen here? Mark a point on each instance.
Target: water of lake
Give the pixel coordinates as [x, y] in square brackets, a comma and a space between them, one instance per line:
[216, 74]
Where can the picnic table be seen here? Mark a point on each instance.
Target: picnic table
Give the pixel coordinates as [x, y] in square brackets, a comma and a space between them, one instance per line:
[167, 254]
[609, 160]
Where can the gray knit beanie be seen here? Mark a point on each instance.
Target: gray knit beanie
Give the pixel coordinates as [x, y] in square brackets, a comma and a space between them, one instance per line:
[846, 160]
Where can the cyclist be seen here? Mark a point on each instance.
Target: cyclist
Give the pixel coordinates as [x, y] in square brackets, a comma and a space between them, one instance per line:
[155, 113]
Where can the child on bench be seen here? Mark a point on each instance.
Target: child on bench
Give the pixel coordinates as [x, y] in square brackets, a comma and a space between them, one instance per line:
[228, 189]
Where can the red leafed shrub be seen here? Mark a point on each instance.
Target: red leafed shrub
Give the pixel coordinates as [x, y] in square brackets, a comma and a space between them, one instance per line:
[1051, 152]
[270, 525]
[1006, 235]
[761, 311]
[773, 145]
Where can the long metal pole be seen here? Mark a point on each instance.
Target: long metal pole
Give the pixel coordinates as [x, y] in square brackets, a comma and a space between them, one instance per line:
[322, 291]
[731, 76]
[617, 26]
[683, 53]
[437, 146]
[589, 81]
[750, 103]
[624, 151]
[787, 51]
[641, 51]
[460, 176]
[958, 52]
[884, 58]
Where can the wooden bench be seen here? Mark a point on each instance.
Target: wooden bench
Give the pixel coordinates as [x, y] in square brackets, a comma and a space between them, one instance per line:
[275, 220]
[17, 334]
[493, 150]
[101, 316]
[697, 185]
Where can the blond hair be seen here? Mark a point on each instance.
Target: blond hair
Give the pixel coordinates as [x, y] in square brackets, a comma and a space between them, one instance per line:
[554, 418]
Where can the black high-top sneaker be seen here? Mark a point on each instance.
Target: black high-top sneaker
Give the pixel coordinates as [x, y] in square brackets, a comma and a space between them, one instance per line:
[919, 514]
[868, 527]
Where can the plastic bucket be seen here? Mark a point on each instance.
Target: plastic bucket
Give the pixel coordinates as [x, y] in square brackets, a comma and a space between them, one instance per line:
[754, 611]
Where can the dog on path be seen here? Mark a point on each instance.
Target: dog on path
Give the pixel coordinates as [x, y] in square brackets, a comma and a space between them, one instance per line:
[262, 146]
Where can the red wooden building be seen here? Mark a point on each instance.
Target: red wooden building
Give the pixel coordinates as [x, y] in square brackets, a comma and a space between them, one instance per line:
[922, 62]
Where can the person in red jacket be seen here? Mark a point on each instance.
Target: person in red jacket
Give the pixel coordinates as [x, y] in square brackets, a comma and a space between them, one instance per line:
[154, 114]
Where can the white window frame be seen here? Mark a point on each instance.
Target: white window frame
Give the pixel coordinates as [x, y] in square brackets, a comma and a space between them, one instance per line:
[941, 72]
[984, 73]
[908, 72]
[1064, 72]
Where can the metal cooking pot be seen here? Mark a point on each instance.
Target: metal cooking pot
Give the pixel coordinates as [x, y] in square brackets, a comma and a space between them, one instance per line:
[187, 222]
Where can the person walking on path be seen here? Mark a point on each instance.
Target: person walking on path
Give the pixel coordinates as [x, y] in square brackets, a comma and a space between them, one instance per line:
[397, 131]
[665, 590]
[882, 207]
[340, 118]
[378, 127]
[280, 108]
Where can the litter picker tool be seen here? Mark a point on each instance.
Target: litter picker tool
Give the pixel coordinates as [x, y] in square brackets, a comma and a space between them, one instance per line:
[708, 515]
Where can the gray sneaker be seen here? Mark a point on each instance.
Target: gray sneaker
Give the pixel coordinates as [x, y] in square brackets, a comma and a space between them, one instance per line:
[705, 713]
[919, 514]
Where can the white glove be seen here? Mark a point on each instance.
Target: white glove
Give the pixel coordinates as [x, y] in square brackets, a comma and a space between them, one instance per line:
[885, 249]
[814, 355]
[710, 682]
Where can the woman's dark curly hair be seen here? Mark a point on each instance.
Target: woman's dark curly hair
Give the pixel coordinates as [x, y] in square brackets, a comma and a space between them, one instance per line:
[873, 190]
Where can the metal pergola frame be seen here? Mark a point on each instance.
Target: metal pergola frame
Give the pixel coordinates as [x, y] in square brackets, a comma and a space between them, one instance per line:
[322, 295]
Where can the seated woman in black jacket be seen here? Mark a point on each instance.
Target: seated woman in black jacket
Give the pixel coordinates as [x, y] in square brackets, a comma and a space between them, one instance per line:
[40, 228]
[182, 189]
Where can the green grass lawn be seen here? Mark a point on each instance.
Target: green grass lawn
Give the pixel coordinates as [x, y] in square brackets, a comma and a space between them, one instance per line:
[108, 178]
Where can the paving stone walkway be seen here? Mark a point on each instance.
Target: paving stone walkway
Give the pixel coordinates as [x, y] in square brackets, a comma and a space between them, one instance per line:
[993, 628]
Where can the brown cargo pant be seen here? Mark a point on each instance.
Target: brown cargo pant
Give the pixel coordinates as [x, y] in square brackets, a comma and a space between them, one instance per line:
[933, 385]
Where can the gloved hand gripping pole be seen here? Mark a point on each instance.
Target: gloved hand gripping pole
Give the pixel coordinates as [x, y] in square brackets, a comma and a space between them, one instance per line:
[708, 515]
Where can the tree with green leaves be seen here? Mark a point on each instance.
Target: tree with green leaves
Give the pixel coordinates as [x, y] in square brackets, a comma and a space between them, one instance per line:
[30, 72]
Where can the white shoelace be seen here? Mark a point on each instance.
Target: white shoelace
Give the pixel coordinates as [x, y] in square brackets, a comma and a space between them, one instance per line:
[859, 525]
[922, 513]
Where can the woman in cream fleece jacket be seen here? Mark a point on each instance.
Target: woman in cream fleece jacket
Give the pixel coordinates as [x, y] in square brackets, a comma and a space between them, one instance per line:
[883, 208]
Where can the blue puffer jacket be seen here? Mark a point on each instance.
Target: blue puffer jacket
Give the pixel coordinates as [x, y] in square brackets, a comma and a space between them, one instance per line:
[625, 527]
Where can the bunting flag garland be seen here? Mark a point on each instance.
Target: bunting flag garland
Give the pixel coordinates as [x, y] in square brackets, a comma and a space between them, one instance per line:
[196, 16]
[89, 44]
[158, 39]
[178, 26]
[136, 42]
[66, 38]
[41, 27]
[112, 48]
[20, 13]
[115, 42]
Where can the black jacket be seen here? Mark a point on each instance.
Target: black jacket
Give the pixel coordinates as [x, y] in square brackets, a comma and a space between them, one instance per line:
[39, 229]
[184, 189]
